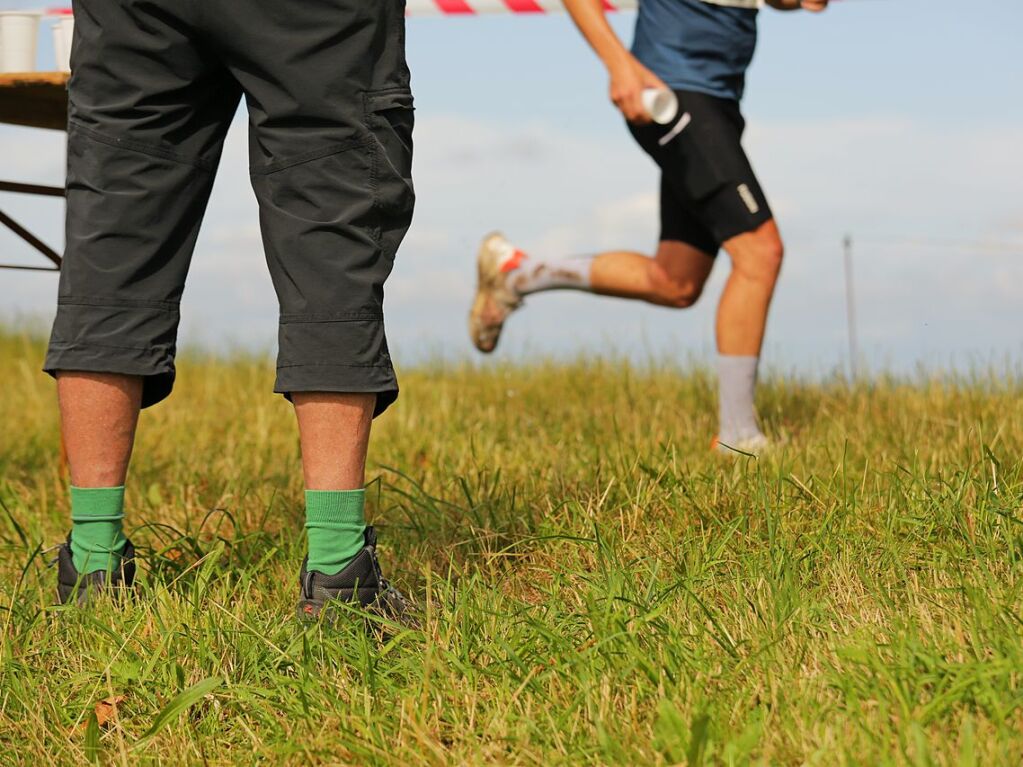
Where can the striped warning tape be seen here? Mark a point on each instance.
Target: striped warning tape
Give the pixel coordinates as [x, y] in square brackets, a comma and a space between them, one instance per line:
[476, 7]
[473, 7]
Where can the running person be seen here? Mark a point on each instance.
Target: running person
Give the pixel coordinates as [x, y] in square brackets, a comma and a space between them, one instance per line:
[154, 88]
[710, 197]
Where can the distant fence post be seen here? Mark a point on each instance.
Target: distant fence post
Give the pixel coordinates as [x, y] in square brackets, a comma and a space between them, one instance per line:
[850, 308]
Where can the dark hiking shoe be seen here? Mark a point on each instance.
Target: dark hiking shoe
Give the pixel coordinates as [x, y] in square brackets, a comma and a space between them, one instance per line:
[360, 584]
[71, 586]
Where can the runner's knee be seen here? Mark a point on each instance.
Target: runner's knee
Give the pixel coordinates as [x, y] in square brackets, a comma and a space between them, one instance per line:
[685, 293]
[762, 259]
[773, 252]
[673, 291]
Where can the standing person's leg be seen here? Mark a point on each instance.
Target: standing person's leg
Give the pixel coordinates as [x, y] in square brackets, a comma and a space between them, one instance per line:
[334, 433]
[99, 413]
[330, 112]
[147, 116]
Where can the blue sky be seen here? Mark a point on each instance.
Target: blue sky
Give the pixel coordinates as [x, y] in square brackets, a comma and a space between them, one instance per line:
[898, 121]
[944, 59]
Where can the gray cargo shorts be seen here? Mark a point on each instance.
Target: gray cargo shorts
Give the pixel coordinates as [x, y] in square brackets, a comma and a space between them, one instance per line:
[155, 85]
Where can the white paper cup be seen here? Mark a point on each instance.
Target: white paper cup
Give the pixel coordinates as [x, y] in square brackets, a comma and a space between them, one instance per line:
[19, 39]
[63, 33]
[661, 105]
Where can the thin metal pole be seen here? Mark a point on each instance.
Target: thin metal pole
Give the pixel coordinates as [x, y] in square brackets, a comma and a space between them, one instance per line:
[850, 308]
[30, 238]
[43, 191]
[30, 268]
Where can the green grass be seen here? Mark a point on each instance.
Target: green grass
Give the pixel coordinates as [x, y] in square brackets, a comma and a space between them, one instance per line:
[597, 588]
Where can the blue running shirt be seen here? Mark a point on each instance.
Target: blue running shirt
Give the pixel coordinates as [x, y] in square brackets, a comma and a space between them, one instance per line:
[698, 45]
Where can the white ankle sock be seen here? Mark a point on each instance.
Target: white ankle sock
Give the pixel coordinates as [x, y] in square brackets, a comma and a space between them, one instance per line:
[737, 380]
[532, 275]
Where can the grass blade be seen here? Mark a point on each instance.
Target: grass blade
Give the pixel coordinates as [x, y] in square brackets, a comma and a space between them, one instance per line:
[182, 702]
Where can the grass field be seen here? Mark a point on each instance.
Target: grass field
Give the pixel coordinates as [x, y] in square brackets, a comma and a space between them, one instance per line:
[596, 587]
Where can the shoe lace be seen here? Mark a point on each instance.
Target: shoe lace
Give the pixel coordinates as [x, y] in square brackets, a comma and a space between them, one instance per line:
[385, 585]
[49, 550]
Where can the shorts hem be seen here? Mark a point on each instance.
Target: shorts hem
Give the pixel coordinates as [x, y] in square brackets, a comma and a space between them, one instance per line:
[727, 234]
[341, 379]
[704, 246]
[153, 365]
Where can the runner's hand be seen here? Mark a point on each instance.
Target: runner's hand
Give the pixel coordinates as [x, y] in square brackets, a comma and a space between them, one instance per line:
[629, 79]
[814, 5]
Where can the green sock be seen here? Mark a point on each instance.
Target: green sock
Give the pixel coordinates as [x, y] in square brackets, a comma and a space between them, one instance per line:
[97, 522]
[335, 522]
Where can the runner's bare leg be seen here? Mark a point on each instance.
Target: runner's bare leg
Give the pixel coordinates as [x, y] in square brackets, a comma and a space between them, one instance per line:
[675, 276]
[742, 313]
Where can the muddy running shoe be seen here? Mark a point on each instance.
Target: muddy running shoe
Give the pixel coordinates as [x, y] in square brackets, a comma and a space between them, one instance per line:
[495, 296]
[756, 445]
[360, 583]
[118, 583]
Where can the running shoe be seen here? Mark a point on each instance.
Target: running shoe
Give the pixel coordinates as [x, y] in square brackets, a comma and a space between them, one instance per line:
[118, 583]
[495, 296]
[360, 584]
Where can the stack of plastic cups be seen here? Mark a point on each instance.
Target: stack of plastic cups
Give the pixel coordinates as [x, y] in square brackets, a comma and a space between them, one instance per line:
[19, 36]
[63, 31]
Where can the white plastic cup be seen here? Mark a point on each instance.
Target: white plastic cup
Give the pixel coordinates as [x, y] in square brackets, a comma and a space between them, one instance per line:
[661, 105]
[63, 33]
[19, 40]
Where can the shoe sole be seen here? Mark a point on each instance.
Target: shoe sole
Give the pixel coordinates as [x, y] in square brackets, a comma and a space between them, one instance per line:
[312, 611]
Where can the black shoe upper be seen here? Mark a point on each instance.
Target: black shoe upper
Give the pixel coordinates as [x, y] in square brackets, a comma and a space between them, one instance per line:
[72, 586]
[360, 582]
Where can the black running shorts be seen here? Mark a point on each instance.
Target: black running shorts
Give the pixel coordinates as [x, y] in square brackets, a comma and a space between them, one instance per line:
[709, 192]
[154, 86]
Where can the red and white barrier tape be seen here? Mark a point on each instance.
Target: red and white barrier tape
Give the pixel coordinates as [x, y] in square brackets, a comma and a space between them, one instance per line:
[474, 7]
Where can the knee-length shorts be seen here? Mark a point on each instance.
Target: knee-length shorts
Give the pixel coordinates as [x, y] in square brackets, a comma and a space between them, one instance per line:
[154, 87]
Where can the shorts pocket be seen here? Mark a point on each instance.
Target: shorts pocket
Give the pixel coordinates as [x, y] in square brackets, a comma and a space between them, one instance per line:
[390, 119]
